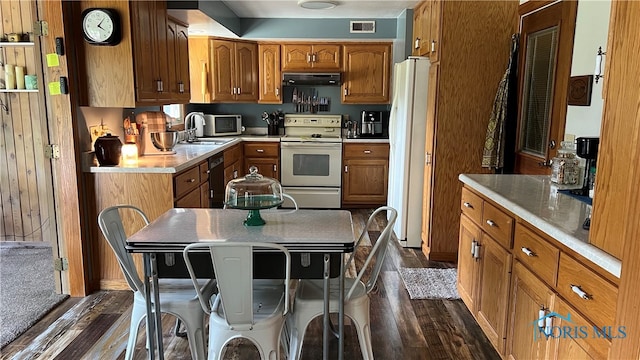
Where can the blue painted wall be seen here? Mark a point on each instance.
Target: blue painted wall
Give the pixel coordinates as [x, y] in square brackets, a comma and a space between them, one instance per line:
[254, 28]
[251, 113]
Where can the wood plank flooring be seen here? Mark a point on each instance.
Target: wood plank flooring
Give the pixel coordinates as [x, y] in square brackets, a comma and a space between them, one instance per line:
[96, 327]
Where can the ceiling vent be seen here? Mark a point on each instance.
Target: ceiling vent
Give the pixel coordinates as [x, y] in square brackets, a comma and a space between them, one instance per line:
[363, 27]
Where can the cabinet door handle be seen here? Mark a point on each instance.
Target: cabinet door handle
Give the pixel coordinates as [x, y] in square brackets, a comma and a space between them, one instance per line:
[474, 243]
[192, 180]
[346, 91]
[416, 44]
[433, 45]
[427, 158]
[239, 91]
[260, 150]
[314, 57]
[233, 91]
[277, 92]
[576, 289]
[159, 85]
[528, 252]
[208, 172]
[181, 87]
[308, 57]
[346, 168]
[235, 174]
[491, 223]
[367, 151]
[476, 252]
[467, 205]
[275, 168]
[546, 163]
[211, 194]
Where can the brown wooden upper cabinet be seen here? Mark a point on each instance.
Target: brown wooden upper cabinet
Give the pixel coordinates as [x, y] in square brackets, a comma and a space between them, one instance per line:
[178, 42]
[234, 71]
[270, 83]
[426, 29]
[545, 64]
[145, 68]
[367, 68]
[311, 57]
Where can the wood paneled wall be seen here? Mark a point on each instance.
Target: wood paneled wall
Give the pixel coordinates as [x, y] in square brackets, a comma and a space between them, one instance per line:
[26, 196]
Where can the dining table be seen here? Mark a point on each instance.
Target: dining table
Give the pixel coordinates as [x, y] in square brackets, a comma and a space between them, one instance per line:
[327, 233]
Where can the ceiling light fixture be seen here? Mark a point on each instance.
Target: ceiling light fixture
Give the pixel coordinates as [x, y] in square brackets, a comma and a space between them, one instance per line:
[317, 4]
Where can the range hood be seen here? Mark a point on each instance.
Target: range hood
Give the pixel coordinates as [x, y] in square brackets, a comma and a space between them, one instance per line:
[293, 79]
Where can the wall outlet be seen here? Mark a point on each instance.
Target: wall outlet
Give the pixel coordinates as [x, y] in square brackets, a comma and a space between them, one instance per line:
[569, 137]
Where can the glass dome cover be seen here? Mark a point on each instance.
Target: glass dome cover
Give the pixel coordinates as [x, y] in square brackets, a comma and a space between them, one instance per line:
[253, 192]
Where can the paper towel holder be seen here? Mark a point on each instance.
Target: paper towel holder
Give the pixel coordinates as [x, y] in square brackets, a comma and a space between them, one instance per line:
[598, 72]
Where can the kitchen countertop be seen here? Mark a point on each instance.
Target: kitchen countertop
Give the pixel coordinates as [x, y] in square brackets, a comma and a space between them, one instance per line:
[365, 140]
[536, 200]
[186, 156]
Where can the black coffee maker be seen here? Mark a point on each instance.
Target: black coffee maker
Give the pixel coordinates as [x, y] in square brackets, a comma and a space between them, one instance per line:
[587, 148]
[371, 123]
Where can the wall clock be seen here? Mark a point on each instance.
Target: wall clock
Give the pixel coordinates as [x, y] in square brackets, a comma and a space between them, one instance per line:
[101, 26]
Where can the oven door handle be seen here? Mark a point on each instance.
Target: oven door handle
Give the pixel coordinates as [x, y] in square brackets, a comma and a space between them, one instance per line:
[311, 144]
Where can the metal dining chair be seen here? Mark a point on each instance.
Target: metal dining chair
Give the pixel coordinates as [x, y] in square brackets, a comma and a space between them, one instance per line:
[242, 309]
[309, 300]
[177, 296]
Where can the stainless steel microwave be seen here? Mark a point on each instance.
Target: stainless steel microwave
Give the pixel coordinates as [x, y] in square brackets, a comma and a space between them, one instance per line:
[222, 125]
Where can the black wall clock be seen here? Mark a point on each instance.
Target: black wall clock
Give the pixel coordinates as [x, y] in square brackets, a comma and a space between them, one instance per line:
[101, 26]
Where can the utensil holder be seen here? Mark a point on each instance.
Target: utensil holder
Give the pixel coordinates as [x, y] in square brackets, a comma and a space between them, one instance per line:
[272, 129]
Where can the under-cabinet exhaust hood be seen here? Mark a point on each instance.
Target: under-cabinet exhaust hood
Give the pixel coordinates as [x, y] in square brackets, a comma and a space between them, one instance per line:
[293, 79]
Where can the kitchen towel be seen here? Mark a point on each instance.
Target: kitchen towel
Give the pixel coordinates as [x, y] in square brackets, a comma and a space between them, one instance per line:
[430, 283]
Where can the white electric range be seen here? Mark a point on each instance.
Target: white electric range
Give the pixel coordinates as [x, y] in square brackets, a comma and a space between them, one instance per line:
[311, 160]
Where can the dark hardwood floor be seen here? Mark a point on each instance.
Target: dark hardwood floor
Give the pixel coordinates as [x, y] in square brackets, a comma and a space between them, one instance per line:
[96, 327]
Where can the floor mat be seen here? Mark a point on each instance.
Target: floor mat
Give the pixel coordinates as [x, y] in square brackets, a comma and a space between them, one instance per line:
[27, 288]
[430, 283]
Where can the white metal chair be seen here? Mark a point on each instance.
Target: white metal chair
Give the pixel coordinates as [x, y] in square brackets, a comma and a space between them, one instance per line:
[242, 308]
[309, 300]
[177, 296]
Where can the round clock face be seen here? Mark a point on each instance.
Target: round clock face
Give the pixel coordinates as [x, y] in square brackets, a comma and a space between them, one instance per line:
[98, 26]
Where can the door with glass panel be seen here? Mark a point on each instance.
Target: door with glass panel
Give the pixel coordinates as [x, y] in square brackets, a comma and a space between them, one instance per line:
[545, 67]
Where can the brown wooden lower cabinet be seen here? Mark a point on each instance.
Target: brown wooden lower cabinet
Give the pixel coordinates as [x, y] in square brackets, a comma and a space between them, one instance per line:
[265, 156]
[484, 272]
[365, 175]
[528, 296]
[508, 296]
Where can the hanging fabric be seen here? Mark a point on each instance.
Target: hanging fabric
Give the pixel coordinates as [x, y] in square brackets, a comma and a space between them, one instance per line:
[500, 131]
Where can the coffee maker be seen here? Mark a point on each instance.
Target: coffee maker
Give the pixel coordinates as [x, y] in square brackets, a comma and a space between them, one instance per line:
[371, 123]
[587, 148]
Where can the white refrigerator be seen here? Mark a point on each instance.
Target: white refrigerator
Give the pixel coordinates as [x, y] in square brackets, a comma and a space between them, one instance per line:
[407, 128]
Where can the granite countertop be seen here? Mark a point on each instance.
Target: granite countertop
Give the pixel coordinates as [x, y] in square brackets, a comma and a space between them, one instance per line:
[186, 156]
[366, 140]
[536, 200]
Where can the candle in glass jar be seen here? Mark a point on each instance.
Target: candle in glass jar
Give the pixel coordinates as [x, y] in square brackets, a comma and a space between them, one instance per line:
[19, 74]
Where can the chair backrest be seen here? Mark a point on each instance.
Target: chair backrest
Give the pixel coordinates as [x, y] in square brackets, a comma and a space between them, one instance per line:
[233, 267]
[378, 251]
[112, 228]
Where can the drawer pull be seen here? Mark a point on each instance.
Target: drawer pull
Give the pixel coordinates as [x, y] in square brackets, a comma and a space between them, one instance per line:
[528, 252]
[576, 289]
[367, 151]
[192, 180]
[467, 205]
[491, 223]
[260, 150]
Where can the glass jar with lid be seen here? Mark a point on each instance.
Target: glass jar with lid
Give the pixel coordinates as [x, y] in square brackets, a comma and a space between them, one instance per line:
[565, 167]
